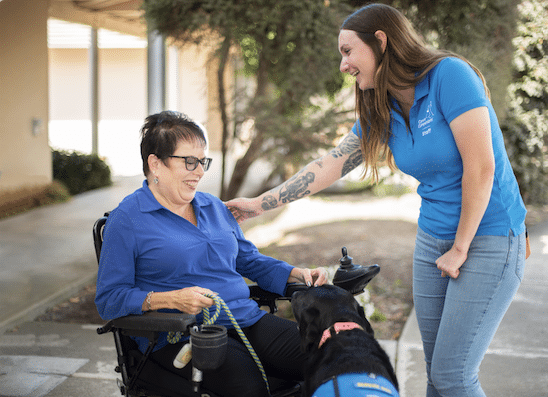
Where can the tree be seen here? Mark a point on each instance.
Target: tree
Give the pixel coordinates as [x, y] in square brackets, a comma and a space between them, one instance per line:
[526, 128]
[289, 50]
[480, 30]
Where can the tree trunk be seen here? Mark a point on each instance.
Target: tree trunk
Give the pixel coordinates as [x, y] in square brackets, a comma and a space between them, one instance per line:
[242, 166]
[253, 152]
[223, 59]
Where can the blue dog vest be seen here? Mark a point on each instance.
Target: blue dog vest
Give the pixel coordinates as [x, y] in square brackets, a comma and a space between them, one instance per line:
[363, 385]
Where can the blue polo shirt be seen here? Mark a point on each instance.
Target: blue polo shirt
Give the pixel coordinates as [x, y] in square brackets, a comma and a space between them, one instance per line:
[149, 248]
[429, 153]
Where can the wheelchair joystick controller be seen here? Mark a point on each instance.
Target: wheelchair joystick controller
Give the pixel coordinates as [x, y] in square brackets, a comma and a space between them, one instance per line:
[352, 277]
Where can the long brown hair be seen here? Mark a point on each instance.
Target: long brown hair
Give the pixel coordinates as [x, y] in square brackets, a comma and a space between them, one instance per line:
[405, 61]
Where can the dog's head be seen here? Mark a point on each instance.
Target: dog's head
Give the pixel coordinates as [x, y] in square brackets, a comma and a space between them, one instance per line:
[318, 308]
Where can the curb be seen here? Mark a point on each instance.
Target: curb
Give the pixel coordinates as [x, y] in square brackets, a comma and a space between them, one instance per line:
[409, 341]
[30, 313]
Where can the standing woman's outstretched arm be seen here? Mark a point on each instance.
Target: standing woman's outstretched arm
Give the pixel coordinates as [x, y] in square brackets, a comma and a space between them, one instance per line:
[311, 179]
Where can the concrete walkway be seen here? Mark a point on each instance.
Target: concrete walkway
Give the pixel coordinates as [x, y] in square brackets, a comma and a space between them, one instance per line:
[47, 255]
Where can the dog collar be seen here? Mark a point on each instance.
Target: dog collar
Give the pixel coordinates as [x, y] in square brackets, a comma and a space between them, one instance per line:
[337, 327]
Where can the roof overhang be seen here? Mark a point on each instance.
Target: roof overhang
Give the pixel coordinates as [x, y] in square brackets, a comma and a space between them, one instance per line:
[125, 16]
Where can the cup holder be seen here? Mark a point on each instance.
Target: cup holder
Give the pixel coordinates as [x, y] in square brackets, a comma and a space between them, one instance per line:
[209, 344]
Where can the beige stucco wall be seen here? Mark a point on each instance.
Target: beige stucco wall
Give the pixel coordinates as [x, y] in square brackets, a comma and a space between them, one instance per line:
[122, 103]
[25, 158]
[194, 90]
[122, 84]
[122, 99]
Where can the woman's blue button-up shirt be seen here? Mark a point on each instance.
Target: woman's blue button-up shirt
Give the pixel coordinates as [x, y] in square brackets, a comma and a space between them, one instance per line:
[149, 248]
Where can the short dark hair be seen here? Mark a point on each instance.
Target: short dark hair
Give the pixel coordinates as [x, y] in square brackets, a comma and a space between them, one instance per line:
[162, 132]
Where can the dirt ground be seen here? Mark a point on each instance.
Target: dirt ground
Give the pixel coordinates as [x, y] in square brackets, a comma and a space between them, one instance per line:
[386, 243]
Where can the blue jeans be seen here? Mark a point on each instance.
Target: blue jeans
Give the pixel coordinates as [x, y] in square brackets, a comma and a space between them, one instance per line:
[458, 318]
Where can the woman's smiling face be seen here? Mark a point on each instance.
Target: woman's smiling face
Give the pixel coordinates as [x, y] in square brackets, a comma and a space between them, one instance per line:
[177, 184]
[358, 59]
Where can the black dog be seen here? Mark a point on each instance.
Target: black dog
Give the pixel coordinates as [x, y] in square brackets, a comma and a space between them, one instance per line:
[339, 343]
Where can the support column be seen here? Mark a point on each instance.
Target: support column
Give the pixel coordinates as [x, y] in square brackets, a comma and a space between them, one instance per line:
[94, 78]
[156, 72]
[173, 86]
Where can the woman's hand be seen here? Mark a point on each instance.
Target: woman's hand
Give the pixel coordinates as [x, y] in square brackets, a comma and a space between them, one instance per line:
[244, 208]
[309, 277]
[192, 300]
[451, 262]
[189, 300]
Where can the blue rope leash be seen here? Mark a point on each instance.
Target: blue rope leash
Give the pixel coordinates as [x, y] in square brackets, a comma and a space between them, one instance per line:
[174, 337]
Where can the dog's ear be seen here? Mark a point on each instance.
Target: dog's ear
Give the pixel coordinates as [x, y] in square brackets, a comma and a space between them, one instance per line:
[309, 329]
[368, 327]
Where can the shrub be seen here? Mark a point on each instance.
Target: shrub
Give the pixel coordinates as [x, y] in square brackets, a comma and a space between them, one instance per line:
[21, 200]
[80, 172]
[378, 317]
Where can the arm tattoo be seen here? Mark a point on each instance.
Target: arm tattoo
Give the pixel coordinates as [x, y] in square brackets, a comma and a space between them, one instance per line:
[349, 146]
[296, 187]
[241, 214]
[269, 202]
[353, 161]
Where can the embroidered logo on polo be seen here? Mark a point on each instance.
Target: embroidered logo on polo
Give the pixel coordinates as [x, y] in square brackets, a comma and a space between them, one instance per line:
[423, 124]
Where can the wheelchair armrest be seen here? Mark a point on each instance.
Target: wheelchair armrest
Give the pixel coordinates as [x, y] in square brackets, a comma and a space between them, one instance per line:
[292, 288]
[266, 298]
[151, 321]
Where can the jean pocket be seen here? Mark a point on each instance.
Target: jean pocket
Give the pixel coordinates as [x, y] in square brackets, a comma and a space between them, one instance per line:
[520, 265]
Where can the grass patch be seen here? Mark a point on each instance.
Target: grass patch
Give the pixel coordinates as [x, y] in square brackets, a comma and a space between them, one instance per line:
[377, 317]
[390, 190]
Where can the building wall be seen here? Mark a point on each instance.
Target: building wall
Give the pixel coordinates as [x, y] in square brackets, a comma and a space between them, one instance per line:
[122, 84]
[193, 89]
[122, 104]
[122, 100]
[25, 158]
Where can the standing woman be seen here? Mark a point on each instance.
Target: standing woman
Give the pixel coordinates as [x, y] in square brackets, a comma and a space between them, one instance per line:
[428, 112]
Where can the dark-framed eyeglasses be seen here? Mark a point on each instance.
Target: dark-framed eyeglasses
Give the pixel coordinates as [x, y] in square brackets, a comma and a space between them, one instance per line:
[191, 162]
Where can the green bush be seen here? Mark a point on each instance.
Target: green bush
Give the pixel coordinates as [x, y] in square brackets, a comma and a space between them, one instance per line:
[377, 316]
[80, 172]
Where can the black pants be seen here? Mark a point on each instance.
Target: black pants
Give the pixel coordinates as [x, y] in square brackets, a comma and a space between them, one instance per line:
[275, 340]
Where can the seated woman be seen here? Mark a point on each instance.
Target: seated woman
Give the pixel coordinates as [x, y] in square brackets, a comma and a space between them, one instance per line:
[166, 245]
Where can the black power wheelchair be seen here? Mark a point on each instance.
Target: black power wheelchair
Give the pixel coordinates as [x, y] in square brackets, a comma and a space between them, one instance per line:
[155, 380]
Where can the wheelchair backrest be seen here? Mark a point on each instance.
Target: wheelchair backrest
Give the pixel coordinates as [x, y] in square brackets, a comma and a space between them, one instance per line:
[98, 229]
